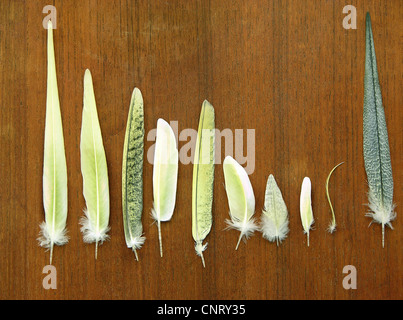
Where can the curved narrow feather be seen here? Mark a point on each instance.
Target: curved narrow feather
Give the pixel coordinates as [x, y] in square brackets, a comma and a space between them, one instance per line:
[376, 145]
[94, 171]
[274, 226]
[203, 179]
[165, 175]
[305, 206]
[241, 199]
[332, 225]
[53, 230]
[132, 174]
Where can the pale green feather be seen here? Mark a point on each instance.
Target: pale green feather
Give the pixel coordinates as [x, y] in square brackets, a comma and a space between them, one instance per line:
[241, 199]
[132, 174]
[306, 206]
[203, 178]
[275, 219]
[53, 230]
[94, 170]
[165, 175]
[376, 145]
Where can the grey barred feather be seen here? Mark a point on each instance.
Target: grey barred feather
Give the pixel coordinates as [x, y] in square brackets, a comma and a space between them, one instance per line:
[376, 145]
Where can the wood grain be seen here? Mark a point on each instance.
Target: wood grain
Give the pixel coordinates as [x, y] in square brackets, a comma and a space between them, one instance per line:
[287, 69]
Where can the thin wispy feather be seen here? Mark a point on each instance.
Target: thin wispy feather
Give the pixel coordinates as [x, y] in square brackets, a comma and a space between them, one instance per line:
[305, 207]
[376, 145]
[94, 170]
[53, 230]
[165, 175]
[274, 224]
[203, 179]
[332, 225]
[241, 199]
[132, 174]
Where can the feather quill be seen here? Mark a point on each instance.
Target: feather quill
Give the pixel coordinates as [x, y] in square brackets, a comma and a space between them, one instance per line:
[376, 145]
[94, 170]
[53, 230]
[332, 225]
[203, 179]
[132, 174]
[241, 199]
[165, 175]
[274, 225]
[305, 206]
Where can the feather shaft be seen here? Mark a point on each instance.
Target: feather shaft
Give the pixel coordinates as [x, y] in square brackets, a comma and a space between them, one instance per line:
[332, 225]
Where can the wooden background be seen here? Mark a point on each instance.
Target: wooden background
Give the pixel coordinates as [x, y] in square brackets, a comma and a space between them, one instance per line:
[287, 69]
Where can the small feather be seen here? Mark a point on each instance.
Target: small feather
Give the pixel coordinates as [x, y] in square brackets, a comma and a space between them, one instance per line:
[165, 175]
[241, 199]
[274, 224]
[306, 207]
[332, 225]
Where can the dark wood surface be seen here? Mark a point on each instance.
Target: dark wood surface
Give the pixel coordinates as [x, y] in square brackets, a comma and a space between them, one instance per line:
[287, 69]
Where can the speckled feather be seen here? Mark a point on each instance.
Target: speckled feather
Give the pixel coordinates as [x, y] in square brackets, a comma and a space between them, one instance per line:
[132, 174]
[376, 145]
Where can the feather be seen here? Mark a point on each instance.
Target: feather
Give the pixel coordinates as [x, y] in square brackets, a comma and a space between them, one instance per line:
[274, 226]
[305, 206]
[165, 175]
[241, 199]
[203, 179]
[53, 230]
[376, 145]
[332, 225]
[94, 171]
[132, 174]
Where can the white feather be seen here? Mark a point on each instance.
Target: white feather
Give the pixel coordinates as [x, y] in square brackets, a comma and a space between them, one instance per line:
[306, 206]
[241, 199]
[165, 175]
[380, 214]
